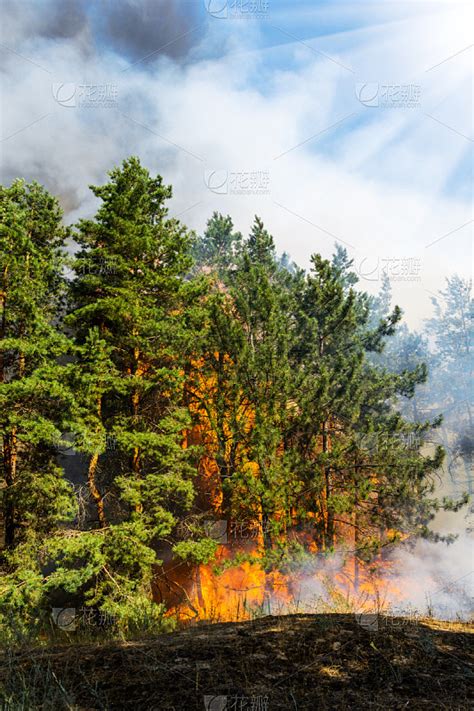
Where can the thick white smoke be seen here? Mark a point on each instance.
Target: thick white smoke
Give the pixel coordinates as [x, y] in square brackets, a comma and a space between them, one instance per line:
[429, 579]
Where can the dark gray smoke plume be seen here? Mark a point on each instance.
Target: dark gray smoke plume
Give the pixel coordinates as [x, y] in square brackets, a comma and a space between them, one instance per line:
[148, 28]
[131, 28]
[114, 46]
[50, 19]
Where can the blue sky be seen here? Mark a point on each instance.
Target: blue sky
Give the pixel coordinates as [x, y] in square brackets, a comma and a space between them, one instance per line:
[333, 121]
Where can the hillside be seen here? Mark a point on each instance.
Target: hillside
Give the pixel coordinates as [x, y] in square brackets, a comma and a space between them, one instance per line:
[296, 662]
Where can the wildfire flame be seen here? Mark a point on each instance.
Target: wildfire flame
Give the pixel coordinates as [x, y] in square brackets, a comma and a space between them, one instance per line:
[231, 588]
[222, 592]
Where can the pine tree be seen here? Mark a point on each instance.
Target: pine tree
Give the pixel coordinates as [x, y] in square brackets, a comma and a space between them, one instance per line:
[260, 247]
[348, 426]
[262, 303]
[342, 266]
[219, 245]
[306, 427]
[246, 367]
[286, 377]
[34, 398]
[130, 311]
[452, 365]
[452, 329]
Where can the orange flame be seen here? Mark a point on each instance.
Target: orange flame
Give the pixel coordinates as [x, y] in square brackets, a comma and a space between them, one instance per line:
[226, 591]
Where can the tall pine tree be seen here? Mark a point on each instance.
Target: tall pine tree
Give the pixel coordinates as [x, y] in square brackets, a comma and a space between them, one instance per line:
[34, 398]
[131, 312]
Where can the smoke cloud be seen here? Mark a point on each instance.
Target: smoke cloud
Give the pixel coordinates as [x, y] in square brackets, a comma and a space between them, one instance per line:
[139, 29]
[49, 19]
[429, 579]
[85, 84]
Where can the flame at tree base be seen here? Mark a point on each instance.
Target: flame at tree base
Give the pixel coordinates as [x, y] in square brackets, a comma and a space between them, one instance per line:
[222, 592]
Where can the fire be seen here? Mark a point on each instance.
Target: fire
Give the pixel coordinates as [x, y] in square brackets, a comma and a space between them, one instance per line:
[218, 593]
[231, 595]
[235, 586]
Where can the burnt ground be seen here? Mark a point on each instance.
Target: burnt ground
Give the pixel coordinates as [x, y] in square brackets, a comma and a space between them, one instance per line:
[294, 662]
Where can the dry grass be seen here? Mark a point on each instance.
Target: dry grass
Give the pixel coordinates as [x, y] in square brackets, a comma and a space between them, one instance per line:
[297, 662]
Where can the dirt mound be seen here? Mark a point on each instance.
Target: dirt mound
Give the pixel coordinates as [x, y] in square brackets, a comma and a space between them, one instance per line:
[292, 663]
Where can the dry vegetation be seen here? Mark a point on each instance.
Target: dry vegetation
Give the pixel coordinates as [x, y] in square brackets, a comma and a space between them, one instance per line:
[294, 662]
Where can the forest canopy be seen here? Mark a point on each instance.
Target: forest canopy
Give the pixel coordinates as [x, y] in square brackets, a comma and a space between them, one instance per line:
[153, 382]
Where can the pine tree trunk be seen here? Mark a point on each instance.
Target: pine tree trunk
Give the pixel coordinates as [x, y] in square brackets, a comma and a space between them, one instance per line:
[356, 548]
[95, 493]
[222, 461]
[91, 478]
[329, 523]
[135, 407]
[10, 458]
[8, 469]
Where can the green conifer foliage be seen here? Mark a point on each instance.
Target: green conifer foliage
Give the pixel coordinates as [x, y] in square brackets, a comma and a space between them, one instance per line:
[34, 398]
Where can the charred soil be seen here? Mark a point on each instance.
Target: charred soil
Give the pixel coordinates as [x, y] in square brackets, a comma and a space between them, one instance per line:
[290, 663]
